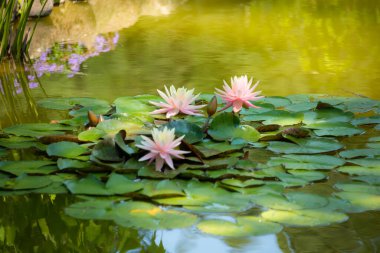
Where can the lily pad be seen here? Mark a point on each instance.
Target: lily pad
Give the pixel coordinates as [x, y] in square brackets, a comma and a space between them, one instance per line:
[148, 216]
[334, 129]
[277, 117]
[304, 218]
[37, 129]
[353, 153]
[360, 200]
[244, 226]
[223, 126]
[209, 148]
[331, 115]
[305, 145]
[291, 201]
[366, 120]
[132, 105]
[307, 162]
[24, 182]
[69, 103]
[66, 149]
[360, 171]
[192, 132]
[27, 167]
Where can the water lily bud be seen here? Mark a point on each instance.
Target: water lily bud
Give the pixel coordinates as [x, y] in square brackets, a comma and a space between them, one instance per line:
[212, 106]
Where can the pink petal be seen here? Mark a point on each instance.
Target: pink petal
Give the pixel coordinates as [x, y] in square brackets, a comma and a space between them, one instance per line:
[159, 163]
[237, 105]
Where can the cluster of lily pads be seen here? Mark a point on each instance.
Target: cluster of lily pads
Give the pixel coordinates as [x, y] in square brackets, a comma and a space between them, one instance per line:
[301, 160]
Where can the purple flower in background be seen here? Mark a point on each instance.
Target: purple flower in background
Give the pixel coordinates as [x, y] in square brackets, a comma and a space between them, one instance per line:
[43, 56]
[1, 87]
[31, 77]
[115, 38]
[33, 85]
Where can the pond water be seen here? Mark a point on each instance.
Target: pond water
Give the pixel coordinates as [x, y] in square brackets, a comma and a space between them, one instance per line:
[129, 47]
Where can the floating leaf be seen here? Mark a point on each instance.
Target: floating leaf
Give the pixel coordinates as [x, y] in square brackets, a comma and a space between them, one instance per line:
[244, 226]
[307, 162]
[92, 134]
[223, 126]
[366, 120]
[66, 149]
[352, 153]
[72, 164]
[366, 162]
[299, 107]
[360, 200]
[27, 167]
[24, 182]
[192, 132]
[209, 148]
[291, 201]
[276, 101]
[360, 171]
[242, 184]
[89, 186]
[304, 218]
[164, 188]
[17, 142]
[148, 216]
[334, 129]
[331, 115]
[105, 150]
[69, 103]
[132, 105]
[278, 117]
[37, 129]
[305, 145]
[119, 184]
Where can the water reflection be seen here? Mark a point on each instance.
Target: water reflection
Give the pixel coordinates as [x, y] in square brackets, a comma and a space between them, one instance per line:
[16, 100]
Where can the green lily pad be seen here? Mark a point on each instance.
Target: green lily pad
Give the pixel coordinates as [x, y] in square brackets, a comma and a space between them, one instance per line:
[27, 167]
[17, 142]
[66, 149]
[360, 171]
[374, 142]
[360, 200]
[366, 162]
[291, 201]
[92, 134]
[304, 218]
[132, 105]
[353, 153]
[300, 107]
[358, 187]
[244, 226]
[105, 150]
[242, 184]
[223, 126]
[164, 188]
[24, 182]
[148, 216]
[192, 132]
[88, 186]
[69, 103]
[305, 145]
[331, 115]
[120, 184]
[366, 120]
[72, 164]
[308, 175]
[37, 129]
[334, 129]
[277, 117]
[276, 101]
[210, 148]
[307, 162]
[113, 126]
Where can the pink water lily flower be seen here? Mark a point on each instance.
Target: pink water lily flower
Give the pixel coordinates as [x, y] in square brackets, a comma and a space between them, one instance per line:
[162, 147]
[177, 101]
[240, 94]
